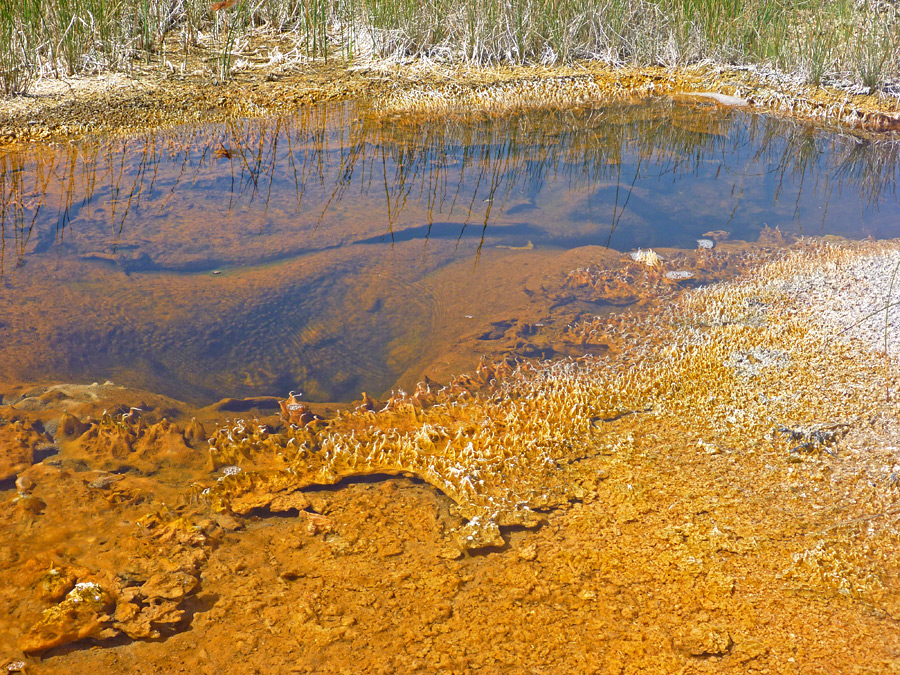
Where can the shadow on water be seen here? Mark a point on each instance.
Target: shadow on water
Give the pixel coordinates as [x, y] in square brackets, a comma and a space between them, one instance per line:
[167, 259]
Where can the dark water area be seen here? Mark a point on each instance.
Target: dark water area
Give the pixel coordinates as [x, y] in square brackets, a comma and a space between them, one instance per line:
[323, 252]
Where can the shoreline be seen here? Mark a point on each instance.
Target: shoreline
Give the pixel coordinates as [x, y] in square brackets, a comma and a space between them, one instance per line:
[119, 104]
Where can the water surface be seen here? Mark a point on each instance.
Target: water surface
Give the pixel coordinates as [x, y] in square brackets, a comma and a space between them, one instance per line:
[337, 251]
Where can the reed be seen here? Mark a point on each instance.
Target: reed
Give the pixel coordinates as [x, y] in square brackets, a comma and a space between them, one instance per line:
[16, 69]
[876, 43]
[817, 41]
[455, 168]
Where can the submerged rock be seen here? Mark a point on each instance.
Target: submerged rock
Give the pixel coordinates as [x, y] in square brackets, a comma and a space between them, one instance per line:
[295, 412]
[125, 439]
[19, 441]
[704, 640]
[58, 581]
[70, 427]
[82, 614]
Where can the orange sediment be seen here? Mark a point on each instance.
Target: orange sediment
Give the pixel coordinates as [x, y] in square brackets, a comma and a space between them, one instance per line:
[716, 494]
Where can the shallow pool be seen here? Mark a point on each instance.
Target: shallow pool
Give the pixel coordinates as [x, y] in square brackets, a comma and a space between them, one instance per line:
[338, 251]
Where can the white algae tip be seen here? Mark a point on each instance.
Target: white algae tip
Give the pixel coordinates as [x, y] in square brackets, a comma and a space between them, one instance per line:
[85, 591]
[648, 257]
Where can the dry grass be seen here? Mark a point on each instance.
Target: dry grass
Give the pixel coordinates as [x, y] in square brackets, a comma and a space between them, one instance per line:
[852, 44]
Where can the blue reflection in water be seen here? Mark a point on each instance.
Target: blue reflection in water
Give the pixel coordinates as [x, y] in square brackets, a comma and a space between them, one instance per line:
[343, 189]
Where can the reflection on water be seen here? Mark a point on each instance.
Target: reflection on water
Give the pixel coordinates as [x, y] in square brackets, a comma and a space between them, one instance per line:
[257, 190]
[304, 252]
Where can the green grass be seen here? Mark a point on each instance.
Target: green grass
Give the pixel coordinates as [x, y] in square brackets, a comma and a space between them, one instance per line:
[815, 41]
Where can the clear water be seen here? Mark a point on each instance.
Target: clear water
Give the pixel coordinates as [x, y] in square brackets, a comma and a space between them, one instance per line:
[321, 252]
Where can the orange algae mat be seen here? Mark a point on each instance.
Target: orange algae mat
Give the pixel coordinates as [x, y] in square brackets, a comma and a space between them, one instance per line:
[713, 488]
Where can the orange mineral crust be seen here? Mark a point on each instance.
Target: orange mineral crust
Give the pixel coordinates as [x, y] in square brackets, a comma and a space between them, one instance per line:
[715, 491]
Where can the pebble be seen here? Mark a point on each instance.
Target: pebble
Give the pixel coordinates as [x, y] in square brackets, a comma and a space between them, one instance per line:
[24, 484]
[103, 482]
[704, 640]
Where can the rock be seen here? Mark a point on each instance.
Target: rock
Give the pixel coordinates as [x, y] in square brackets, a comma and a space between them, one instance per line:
[195, 434]
[31, 505]
[750, 649]
[24, 484]
[18, 443]
[477, 534]
[528, 553]
[286, 502]
[70, 427]
[717, 235]
[450, 553]
[227, 523]
[145, 622]
[148, 610]
[721, 99]
[704, 640]
[81, 615]
[57, 582]
[169, 586]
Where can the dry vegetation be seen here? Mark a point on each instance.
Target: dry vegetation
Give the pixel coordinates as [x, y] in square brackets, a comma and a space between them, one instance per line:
[850, 43]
